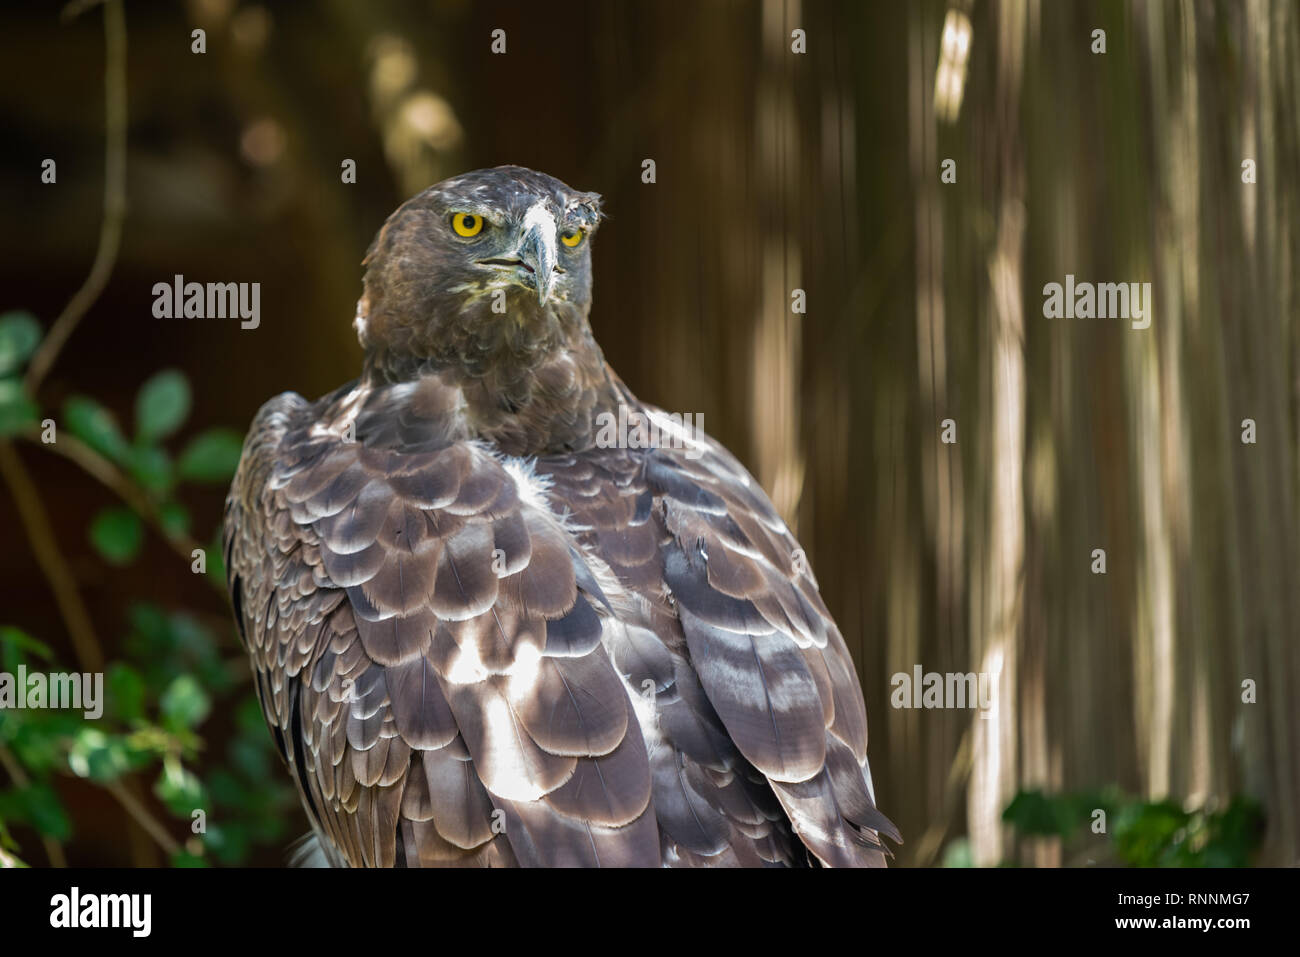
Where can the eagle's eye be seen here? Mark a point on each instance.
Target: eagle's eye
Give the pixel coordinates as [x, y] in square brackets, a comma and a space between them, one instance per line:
[466, 224]
[571, 237]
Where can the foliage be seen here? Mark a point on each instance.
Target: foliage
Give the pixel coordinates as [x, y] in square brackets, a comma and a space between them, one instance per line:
[19, 335]
[1144, 833]
[163, 693]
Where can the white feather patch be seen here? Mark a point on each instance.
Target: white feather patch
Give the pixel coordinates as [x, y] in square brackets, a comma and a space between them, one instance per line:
[539, 215]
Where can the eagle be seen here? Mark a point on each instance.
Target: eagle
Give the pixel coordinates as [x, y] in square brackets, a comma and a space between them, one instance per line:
[488, 629]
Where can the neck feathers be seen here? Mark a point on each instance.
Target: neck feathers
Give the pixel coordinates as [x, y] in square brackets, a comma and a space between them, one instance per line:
[530, 387]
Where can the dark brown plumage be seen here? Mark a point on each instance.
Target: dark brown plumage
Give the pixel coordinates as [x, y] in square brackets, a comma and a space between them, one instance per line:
[480, 636]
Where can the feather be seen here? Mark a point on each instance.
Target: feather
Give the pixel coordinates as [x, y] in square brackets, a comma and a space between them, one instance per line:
[684, 815]
[347, 569]
[547, 587]
[574, 706]
[423, 718]
[405, 580]
[849, 785]
[575, 634]
[357, 524]
[542, 836]
[510, 536]
[398, 638]
[493, 641]
[764, 695]
[663, 476]
[692, 591]
[509, 762]
[465, 584]
[463, 811]
[436, 485]
[612, 789]
[640, 656]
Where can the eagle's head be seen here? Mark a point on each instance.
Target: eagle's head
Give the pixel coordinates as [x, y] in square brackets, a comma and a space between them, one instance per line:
[485, 268]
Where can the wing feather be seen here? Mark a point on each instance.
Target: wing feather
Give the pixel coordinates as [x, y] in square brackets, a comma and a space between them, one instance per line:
[420, 632]
[632, 669]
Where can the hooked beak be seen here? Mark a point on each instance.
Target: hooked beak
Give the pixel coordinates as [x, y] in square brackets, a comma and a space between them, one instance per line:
[537, 251]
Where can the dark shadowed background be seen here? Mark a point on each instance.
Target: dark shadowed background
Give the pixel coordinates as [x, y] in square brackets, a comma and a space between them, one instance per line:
[1161, 692]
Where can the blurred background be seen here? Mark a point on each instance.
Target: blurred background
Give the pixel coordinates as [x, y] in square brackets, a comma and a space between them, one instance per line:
[1158, 697]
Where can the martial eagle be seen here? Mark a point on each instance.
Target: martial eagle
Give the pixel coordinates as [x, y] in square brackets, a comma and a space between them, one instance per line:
[482, 636]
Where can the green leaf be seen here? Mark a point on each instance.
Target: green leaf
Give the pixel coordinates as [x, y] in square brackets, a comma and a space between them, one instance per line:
[18, 639]
[37, 804]
[46, 812]
[1039, 814]
[217, 560]
[20, 334]
[95, 425]
[175, 518]
[186, 859]
[228, 842]
[98, 756]
[162, 406]
[179, 789]
[151, 467]
[212, 456]
[38, 738]
[117, 533]
[184, 703]
[1143, 833]
[9, 848]
[17, 410]
[125, 692]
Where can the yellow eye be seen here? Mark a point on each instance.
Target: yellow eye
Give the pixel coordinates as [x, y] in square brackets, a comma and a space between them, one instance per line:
[467, 224]
[571, 238]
